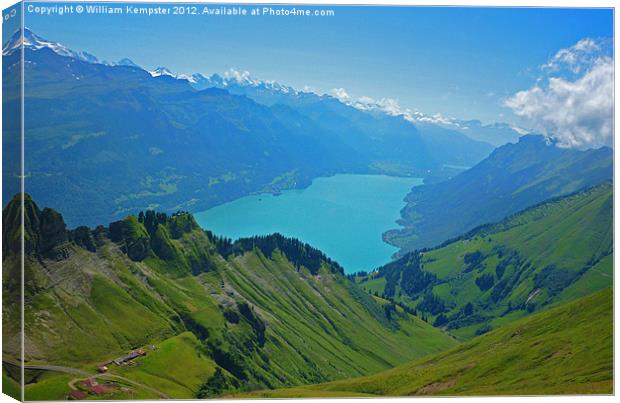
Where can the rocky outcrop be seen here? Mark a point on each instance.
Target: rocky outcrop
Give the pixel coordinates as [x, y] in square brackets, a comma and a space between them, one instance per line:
[132, 237]
[83, 237]
[44, 231]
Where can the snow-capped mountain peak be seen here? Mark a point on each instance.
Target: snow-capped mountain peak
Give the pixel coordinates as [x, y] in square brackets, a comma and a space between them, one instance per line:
[162, 71]
[196, 78]
[29, 40]
[166, 72]
[126, 62]
[240, 77]
[235, 79]
[230, 78]
[32, 41]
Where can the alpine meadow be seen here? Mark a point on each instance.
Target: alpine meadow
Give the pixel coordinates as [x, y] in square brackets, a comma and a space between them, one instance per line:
[420, 204]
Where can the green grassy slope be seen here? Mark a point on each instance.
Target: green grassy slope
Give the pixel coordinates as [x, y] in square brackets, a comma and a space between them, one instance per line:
[11, 387]
[180, 353]
[261, 318]
[565, 350]
[346, 327]
[551, 253]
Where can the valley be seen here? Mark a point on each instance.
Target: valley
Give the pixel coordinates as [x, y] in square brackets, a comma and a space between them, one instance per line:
[271, 312]
[543, 256]
[156, 141]
[190, 236]
[566, 350]
[265, 311]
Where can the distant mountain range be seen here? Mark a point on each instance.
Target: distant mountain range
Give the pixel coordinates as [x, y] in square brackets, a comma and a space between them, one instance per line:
[272, 92]
[269, 92]
[512, 178]
[112, 138]
[497, 134]
[32, 41]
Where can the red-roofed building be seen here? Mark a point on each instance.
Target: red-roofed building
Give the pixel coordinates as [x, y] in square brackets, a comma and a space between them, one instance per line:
[98, 389]
[77, 395]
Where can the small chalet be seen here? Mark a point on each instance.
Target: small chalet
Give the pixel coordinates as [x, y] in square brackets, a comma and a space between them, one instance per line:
[129, 357]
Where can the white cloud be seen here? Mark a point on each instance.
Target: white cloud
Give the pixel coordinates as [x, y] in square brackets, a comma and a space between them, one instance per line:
[577, 57]
[577, 111]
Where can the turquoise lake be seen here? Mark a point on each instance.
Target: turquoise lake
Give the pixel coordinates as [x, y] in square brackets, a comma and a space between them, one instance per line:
[342, 215]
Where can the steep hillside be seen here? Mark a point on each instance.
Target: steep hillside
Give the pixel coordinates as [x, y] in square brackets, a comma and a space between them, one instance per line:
[512, 178]
[566, 350]
[554, 252]
[256, 313]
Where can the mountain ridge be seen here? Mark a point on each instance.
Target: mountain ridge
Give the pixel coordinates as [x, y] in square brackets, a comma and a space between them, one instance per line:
[511, 178]
[234, 80]
[259, 312]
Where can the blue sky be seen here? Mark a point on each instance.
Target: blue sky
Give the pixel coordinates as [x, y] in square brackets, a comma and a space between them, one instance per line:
[461, 62]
